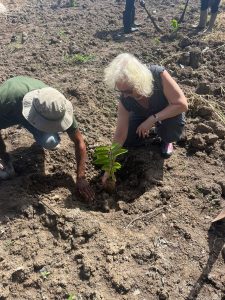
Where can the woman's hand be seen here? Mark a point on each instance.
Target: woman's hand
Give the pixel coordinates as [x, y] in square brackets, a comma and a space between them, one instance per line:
[104, 178]
[144, 128]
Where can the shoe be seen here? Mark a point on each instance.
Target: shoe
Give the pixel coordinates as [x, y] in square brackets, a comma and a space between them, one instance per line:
[166, 149]
[131, 30]
[136, 24]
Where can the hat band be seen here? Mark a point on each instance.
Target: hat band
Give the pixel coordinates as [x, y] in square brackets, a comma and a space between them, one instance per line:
[44, 117]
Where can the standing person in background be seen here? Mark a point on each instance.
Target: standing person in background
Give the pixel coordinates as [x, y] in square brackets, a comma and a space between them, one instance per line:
[205, 5]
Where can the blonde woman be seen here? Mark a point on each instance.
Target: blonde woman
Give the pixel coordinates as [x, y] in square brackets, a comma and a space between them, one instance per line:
[150, 97]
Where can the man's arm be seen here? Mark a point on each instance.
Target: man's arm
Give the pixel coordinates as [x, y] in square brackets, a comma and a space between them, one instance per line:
[122, 125]
[81, 158]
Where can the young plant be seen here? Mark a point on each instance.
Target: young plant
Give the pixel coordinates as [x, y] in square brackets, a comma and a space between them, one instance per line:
[71, 297]
[174, 24]
[45, 274]
[105, 156]
[72, 3]
[78, 58]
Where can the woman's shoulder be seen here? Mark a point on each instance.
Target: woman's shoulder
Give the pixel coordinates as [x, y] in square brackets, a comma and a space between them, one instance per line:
[156, 69]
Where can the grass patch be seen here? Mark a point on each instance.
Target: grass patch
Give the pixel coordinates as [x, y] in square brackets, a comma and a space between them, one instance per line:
[78, 58]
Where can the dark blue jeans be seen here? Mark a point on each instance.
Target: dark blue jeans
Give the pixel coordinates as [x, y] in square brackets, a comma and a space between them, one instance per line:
[128, 15]
[169, 130]
[205, 4]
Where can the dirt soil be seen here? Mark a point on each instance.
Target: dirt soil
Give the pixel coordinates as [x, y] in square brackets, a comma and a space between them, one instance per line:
[153, 238]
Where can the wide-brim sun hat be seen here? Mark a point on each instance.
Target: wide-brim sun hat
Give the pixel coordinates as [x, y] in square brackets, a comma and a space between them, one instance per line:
[47, 110]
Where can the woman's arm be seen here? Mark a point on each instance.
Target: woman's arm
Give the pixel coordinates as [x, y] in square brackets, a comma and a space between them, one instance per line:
[176, 99]
[177, 104]
[120, 134]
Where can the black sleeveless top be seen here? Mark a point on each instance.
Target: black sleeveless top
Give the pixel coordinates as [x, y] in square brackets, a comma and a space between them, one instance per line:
[157, 101]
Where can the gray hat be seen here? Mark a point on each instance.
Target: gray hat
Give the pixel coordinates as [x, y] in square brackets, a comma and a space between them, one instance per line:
[48, 110]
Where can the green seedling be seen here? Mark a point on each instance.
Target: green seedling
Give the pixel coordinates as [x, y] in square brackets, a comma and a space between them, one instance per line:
[71, 297]
[72, 3]
[105, 156]
[45, 274]
[174, 24]
[78, 58]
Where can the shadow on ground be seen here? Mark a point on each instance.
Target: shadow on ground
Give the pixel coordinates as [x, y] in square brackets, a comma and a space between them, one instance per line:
[216, 240]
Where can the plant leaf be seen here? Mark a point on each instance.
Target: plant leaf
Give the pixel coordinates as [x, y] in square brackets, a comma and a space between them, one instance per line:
[101, 161]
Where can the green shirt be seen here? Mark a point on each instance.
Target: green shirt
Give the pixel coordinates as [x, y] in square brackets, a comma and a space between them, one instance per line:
[12, 92]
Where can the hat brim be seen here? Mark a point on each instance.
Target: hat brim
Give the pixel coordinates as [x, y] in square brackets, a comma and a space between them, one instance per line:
[41, 123]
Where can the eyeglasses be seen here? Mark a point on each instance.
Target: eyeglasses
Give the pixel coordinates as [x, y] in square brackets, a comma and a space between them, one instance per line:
[128, 91]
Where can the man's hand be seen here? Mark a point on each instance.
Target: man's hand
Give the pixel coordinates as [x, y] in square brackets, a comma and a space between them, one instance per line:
[142, 3]
[84, 189]
[144, 127]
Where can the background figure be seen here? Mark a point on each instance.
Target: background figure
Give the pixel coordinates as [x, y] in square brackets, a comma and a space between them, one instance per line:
[205, 4]
[128, 17]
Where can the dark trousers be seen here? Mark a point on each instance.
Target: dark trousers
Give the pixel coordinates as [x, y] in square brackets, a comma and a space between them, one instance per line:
[169, 130]
[214, 4]
[128, 15]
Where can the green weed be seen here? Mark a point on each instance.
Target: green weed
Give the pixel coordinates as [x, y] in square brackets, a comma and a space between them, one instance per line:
[45, 274]
[78, 58]
[174, 24]
[72, 3]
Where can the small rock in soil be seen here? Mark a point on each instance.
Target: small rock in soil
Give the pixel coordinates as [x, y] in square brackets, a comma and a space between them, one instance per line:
[218, 129]
[195, 58]
[205, 112]
[203, 88]
[222, 146]
[186, 41]
[19, 275]
[166, 192]
[211, 139]
[202, 128]
[197, 142]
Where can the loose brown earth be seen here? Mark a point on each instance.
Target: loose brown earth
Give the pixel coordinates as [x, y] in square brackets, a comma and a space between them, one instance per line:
[153, 238]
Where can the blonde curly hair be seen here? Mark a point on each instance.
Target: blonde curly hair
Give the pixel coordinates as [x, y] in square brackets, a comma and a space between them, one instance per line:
[127, 68]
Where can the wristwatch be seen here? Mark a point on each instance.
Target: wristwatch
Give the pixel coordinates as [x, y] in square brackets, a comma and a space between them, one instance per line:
[156, 118]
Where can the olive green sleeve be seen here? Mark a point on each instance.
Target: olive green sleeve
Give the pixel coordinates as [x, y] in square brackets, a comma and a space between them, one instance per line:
[73, 127]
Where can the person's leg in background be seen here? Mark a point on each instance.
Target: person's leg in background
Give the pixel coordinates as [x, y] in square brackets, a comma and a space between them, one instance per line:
[214, 13]
[128, 17]
[203, 14]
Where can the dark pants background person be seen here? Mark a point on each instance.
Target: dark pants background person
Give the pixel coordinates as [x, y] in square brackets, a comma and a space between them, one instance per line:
[205, 5]
[128, 17]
